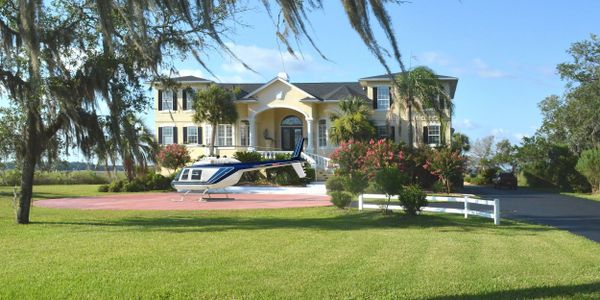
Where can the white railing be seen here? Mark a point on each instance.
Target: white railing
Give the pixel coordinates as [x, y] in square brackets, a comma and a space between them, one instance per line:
[321, 162]
[466, 199]
[315, 161]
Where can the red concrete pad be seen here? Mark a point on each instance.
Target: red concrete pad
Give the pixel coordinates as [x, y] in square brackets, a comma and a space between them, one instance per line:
[171, 201]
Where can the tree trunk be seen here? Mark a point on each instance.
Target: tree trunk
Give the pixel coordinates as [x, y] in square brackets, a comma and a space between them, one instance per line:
[30, 158]
[211, 147]
[410, 126]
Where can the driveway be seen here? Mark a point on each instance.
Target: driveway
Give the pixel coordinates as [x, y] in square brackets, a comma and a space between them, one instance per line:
[579, 216]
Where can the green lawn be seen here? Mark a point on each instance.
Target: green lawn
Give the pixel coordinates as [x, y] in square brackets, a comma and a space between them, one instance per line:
[308, 253]
[595, 197]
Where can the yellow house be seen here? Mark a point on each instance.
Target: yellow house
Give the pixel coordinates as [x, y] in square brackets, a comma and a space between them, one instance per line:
[273, 114]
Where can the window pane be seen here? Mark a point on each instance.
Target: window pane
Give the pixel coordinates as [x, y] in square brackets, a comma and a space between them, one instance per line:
[322, 131]
[245, 133]
[383, 97]
[192, 135]
[184, 174]
[167, 100]
[382, 132]
[196, 173]
[291, 121]
[167, 135]
[434, 134]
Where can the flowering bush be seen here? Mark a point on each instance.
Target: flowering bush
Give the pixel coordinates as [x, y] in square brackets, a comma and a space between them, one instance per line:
[445, 164]
[173, 156]
[349, 156]
[359, 157]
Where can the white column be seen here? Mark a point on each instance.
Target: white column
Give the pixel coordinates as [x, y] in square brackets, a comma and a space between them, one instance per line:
[309, 133]
[252, 136]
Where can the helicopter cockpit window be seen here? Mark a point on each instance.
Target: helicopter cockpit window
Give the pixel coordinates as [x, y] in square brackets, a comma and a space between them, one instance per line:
[196, 174]
[184, 174]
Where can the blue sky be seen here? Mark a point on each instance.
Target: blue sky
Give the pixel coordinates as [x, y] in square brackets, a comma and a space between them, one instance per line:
[503, 52]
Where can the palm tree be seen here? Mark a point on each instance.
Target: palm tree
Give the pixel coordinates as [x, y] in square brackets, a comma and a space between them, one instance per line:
[420, 89]
[460, 142]
[352, 122]
[215, 106]
[138, 146]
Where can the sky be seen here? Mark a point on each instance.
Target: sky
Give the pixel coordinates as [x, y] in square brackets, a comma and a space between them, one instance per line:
[503, 52]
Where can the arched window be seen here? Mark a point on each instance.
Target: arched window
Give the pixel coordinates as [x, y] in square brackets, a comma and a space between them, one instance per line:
[291, 121]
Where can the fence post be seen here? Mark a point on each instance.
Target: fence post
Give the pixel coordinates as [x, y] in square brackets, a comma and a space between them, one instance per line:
[466, 206]
[360, 202]
[496, 211]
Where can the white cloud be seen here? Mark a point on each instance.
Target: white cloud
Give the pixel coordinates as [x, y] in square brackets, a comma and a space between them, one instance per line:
[466, 124]
[499, 132]
[434, 58]
[267, 63]
[485, 71]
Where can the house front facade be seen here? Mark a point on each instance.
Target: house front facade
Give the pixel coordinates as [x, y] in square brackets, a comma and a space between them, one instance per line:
[274, 114]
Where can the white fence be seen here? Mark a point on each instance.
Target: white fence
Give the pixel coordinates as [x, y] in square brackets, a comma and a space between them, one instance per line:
[466, 210]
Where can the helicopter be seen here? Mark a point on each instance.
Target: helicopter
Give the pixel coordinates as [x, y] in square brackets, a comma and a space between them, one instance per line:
[219, 173]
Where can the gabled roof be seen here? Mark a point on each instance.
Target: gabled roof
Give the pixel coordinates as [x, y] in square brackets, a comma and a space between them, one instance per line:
[333, 90]
[453, 81]
[190, 79]
[387, 77]
[277, 79]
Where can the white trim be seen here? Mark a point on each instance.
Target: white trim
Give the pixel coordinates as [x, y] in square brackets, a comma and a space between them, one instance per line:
[273, 81]
[282, 106]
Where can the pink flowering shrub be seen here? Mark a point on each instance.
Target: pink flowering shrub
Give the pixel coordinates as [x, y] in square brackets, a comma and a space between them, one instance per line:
[173, 156]
[367, 158]
[445, 164]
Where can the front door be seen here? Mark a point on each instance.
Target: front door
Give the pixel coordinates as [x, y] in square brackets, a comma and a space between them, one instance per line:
[291, 129]
[289, 135]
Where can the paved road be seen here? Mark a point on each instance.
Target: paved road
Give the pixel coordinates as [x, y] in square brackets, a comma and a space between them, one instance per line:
[579, 216]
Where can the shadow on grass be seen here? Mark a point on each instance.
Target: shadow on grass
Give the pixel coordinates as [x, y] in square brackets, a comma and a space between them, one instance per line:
[587, 290]
[341, 221]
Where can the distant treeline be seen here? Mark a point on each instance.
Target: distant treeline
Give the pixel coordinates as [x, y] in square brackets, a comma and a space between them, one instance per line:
[65, 166]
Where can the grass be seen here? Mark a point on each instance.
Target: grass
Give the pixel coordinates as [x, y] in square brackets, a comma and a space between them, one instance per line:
[595, 197]
[310, 253]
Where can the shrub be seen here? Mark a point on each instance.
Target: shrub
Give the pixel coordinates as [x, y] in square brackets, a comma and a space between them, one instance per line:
[373, 188]
[249, 156]
[355, 183]
[341, 199]
[133, 186]
[335, 184]
[446, 164]
[310, 174]
[173, 156]
[390, 180]
[103, 188]
[116, 186]
[589, 165]
[438, 187]
[157, 182]
[412, 198]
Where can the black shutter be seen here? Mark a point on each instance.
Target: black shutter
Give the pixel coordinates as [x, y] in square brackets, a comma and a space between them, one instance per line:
[185, 135]
[391, 99]
[174, 135]
[175, 101]
[425, 135]
[200, 140]
[183, 99]
[160, 135]
[160, 99]
[374, 97]
[393, 133]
